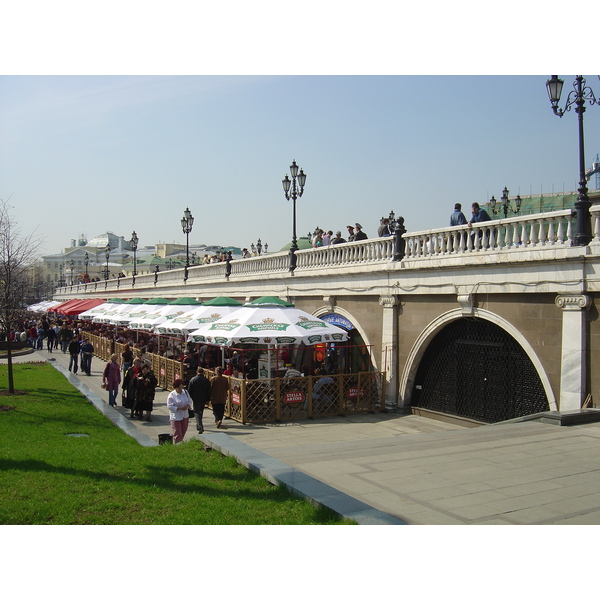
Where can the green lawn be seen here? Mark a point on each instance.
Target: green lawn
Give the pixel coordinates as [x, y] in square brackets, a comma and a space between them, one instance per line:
[49, 477]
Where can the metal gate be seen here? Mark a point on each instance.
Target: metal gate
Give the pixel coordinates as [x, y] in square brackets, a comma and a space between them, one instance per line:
[473, 368]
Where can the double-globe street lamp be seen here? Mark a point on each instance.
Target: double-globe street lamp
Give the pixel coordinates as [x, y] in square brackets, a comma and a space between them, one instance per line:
[577, 97]
[187, 221]
[505, 208]
[293, 191]
[259, 247]
[133, 242]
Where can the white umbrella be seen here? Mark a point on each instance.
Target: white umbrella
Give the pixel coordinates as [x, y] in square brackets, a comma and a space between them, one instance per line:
[268, 321]
[119, 310]
[207, 313]
[97, 311]
[155, 319]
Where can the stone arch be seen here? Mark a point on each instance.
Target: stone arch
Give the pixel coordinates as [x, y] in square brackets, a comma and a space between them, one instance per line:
[421, 344]
[323, 310]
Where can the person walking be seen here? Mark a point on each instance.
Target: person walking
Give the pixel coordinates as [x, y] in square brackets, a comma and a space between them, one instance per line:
[50, 335]
[145, 388]
[74, 351]
[65, 335]
[129, 386]
[199, 390]
[178, 403]
[219, 388]
[111, 379]
[360, 234]
[127, 358]
[87, 351]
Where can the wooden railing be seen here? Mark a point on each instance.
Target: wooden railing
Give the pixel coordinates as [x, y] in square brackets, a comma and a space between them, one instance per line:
[277, 399]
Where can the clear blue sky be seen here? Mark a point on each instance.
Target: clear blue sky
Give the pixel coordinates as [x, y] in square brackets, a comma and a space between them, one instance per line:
[83, 154]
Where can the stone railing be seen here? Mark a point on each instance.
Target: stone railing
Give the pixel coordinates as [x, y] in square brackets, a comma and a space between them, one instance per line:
[539, 231]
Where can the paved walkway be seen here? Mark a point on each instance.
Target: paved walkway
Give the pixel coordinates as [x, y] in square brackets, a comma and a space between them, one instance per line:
[394, 469]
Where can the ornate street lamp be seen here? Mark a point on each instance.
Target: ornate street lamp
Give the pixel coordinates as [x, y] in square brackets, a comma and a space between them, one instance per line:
[86, 262]
[107, 254]
[258, 249]
[156, 269]
[186, 224]
[294, 191]
[505, 208]
[60, 277]
[133, 242]
[577, 96]
[72, 267]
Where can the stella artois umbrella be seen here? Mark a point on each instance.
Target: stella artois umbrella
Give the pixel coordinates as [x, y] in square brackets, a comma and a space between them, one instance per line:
[268, 321]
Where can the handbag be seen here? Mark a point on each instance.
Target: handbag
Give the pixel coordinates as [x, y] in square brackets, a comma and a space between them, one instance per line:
[191, 412]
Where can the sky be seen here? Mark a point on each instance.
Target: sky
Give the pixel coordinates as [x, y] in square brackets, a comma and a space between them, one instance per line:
[93, 146]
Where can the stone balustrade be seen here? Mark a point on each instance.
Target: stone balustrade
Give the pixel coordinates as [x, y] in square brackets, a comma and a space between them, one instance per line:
[541, 231]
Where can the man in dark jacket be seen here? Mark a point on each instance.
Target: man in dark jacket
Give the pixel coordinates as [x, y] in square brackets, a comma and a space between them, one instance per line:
[199, 391]
[74, 350]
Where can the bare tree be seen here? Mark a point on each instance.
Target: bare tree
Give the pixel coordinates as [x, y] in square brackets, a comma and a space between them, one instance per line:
[17, 253]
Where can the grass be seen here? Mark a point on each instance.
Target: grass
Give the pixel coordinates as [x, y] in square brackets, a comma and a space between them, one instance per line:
[105, 477]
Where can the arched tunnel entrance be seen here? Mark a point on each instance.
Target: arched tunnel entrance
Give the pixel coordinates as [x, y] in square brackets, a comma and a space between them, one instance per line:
[473, 368]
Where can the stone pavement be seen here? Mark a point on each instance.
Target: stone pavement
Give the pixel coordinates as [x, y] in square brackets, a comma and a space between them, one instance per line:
[394, 469]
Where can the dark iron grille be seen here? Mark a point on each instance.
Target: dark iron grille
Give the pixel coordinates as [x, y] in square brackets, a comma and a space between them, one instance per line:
[474, 369]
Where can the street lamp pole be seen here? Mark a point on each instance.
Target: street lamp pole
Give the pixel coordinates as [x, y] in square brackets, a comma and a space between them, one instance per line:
[296, 192]
[72, 266]
[86, 262]
[186, 224]
[577, 96]
[107, 254]
[505, 204]
[134, 246]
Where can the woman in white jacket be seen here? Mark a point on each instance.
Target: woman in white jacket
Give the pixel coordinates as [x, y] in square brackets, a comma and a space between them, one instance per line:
[178, 402]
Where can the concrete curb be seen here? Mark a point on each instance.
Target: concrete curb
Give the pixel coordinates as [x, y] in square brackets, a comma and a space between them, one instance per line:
[112, 415]
[298, 483]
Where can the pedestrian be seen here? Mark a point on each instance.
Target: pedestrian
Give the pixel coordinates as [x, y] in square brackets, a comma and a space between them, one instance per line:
[338, 239]
[360, 234]
[178, 403]
[74, 351]
[145, 388]
[127, 358]
[199, 390]
[50, 334]
[111, 379]
[327, 238]
[87, 351]
[128, 395]
[479, 214]
[457, 217]
[65, 335]
[219, 388]
[350, 229]
[384, 228]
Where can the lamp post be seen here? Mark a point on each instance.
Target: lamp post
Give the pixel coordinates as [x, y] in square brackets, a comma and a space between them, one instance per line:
[60, 276]
[577, 96]
[86, 262]
[72, 267]
[505, 208]
[294, 191]
[134, 246]
[258, 249]
[107, 254]
[186, 224]
[156, 269]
